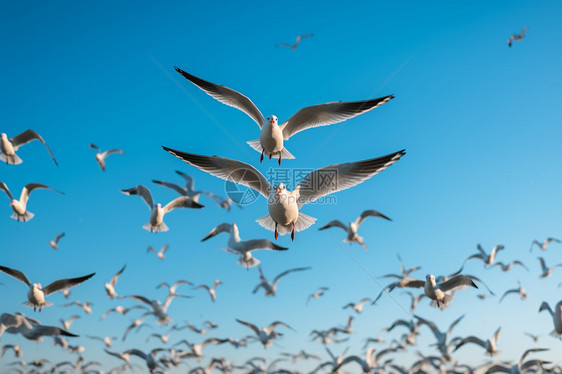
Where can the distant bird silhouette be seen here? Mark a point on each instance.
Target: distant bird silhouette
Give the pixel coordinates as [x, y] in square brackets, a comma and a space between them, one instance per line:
[294, 46]
[517, 37]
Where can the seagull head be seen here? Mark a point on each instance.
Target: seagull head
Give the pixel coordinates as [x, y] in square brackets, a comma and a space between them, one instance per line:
[430, 278]
[281, 189]
[272, 120]
[4, 136]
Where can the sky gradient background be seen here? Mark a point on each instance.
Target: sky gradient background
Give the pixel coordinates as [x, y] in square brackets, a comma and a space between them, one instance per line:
[480, 122]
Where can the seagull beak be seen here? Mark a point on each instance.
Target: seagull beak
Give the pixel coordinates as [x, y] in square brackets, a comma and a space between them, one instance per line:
[278, 190]
[12, 203]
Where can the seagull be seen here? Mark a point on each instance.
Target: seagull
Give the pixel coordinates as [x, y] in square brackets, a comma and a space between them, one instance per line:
[55, 243]
[210, 324]
[369, 364]
[20, 206]
[212, 290]
[316, 295]
[284, 216]
[136, 324]
[520, 290]
[443, 344]
[8, 147]
[489, 345]
[36, 294]
[156, 223]
[151, 362]
[158, 309]
[110, 287]
[242, 248]
[556, 317]
[488, 259]
[107, 340]
[507, 267]
[86, 306]
[272, 134]
[547, 271]
[160, 253]
[534, 337]
[294, 46]
[333, 362]
[122, 310]
[351, 230]
[522, 366]
[326, 335]
[172, 289]
[197, 349]
[266, 335]
[30, 328]
[544, 244]
[66, 324]
[415, 300]
[301, 355]
[195, 329]
[517, 37]
[359, 306]
[100, 156]
[15, 348]
[271, 287]
[189, 190]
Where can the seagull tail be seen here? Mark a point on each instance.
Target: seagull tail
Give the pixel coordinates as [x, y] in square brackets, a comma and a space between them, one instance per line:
[286, 155]
[156, 228]
[304, 222]
[252, 262]
[14, 160]
[24, 218]
[30, 305]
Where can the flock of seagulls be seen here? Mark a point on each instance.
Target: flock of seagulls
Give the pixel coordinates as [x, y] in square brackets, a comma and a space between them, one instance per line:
[285, 217]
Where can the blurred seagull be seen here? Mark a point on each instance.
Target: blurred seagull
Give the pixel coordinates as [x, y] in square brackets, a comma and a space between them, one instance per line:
[20, 206]
[156, 222]
[489, 345]
[122, 310]
[507, 267]
[265, 335]
[271, 287]
[242, 248]
[520, 290]
[547, 271]
[556, 317]
[294, 46]
[522, 366]
[443, 344]
[100, 156]
[351, 230]
[316, 295]
[211, 290]
[517, 37]
[544, 244]
[136, 324]
[30, 328]
[158, 309]
[284, 216]
[534, 337]
[172, 289]
[107, 340]
[55, 243]
[66, 324]
[160, 253]
[86, 306]
[487, 259]
[15, 348]
[8, 147]
[415, 300]
[36, 294]
[110, 287]
[357, 307]
[272, 135]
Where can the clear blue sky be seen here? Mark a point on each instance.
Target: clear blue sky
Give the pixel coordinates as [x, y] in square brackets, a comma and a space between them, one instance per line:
[481, 124]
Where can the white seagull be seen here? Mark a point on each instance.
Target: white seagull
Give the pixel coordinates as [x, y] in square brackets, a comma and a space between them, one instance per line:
[544, 244]
[100, 156]
[211, 290]
[519, 290]
[517, 37]
[160, 253]
[36, 294]
[156, 222]
[351, 230]
[55, 243]
[20, 206]
[284, 206]
[8, 147]
[271, 287]
[489, 345]
[30, 328]
[242, 248]
[294, 46]
[359, 306]
[272, 134]
[110, 286]
[547, 271]
[265, 335]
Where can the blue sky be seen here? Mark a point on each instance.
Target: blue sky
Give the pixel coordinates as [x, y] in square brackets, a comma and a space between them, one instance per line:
[480, 123]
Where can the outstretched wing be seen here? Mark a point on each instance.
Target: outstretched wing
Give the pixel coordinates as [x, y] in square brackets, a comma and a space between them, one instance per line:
[5, 189]
[171, 185]
[116, 276]
[456, 282]
[370, 213]
[181, 202]
[16, 274]
[143, 192]
[334, 223]
[26, 192]
[27, 136]
[328, 114]
[227, 169]
[251, 326]
[250, 245]
[339, 177]
[223, 227]
[226, 96]
[287, 272]
[65, 284]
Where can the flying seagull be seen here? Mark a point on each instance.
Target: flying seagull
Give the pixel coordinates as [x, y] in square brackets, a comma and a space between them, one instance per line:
[55, 242]
[100, 156]
[284, 206]
[20, 206]
[517, 37]
[294, 46]
[272, 134]
[8, 147]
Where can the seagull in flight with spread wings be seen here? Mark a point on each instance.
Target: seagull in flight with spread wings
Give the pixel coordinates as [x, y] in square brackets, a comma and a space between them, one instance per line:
[100, 156]
[284, 206]
[272, 135]
[517, 37]
[8, 147]
[297, 42]
[20, 206]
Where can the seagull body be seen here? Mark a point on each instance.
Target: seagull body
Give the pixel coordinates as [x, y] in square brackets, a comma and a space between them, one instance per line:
[488, 259]
[272, 135]
[110, 287]
[489, 345]
[351, 230]
[547, 271]
[316, 295]
[517, 37]
[20, 206]
[544, 244]
[556, 317]
[160, 253]
[55, 243]
[15, 348]
[242, 248]
[520, 290]
[8, 147]
[158, 309]
[265, 335]
[100, 156]
[36, 294]
[136, 324]
[297, 41]
[440, 293]
[30, 328]
[211, 290]
[359, 306]
[271, 287]
[283, 205]
[157, 212]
